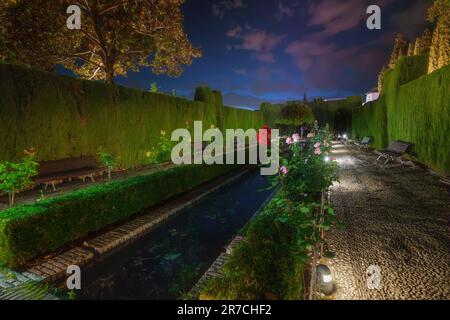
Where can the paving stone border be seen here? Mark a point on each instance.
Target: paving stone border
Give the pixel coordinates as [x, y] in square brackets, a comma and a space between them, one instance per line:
[216, 269]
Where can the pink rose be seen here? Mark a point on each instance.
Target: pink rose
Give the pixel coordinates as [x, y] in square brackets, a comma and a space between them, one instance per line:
[318, 152]
[284, 170]
[289, 141]
[296, 137]
[317, 145]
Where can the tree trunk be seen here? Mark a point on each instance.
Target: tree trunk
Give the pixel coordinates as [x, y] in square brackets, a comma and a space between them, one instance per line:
[109, 173]
[109, 75]
[11, 198]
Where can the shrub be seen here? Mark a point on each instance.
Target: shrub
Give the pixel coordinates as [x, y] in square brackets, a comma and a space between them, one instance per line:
[107, 160]
[266, 265]
[295, 114]
[16, 176]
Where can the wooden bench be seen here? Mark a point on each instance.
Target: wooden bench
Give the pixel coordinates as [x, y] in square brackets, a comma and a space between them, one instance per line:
[365, 143]
[57, 171]
[395, 151]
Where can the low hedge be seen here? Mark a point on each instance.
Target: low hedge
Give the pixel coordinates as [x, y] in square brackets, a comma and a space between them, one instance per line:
[266, 265]
[30, 230]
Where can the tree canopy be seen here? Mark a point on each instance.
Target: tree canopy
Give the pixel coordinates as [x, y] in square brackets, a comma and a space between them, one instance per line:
[296, 114]
[116, 36]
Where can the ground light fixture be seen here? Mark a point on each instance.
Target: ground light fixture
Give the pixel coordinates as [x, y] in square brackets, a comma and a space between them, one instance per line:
[325, 280]
[345, 136]
[327, 159]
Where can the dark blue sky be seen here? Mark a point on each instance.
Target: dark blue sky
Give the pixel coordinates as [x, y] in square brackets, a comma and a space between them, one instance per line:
[277, 50]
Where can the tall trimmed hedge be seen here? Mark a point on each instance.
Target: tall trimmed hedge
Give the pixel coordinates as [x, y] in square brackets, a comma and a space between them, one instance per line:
[414, 107]
[31, 230]
[234, 118]
[370, 121]
[62, 117]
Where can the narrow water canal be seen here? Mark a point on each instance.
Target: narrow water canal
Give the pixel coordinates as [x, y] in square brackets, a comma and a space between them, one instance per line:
[166, 263]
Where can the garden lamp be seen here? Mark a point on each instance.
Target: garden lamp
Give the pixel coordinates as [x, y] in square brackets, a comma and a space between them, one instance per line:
[325, 280]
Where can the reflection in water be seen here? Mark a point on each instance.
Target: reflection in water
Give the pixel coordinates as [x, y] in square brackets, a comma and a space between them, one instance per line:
[167, 262]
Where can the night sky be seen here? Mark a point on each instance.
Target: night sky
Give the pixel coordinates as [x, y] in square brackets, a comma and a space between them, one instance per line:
[277, 50]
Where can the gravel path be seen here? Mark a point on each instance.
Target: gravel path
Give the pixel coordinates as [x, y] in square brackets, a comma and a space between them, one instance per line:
[395, 219]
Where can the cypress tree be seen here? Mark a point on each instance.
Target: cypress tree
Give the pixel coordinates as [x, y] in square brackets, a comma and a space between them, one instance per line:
[439, 12]
[381, 79]
[417, 45]
[400, 49]
[410, 49]
[425, 41]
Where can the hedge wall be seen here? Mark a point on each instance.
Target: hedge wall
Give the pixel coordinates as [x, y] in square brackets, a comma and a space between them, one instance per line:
[35, 229]
[234, 118]
[370, 121]
[413, 107]
[63, 117]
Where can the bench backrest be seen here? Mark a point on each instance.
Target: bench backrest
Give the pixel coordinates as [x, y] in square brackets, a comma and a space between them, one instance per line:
[65, 165]
[398, 147]
[366, 140]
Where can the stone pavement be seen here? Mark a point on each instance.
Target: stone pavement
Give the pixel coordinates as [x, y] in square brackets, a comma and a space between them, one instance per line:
[395, 219]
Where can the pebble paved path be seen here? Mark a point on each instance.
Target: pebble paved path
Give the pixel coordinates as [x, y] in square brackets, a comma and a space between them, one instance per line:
[396, 218]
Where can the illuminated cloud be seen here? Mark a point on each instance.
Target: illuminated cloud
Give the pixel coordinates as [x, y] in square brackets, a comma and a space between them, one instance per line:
[260, 42]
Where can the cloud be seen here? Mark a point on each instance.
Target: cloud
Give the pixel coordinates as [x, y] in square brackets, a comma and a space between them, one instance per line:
[285, 11]
[234, 32]
[258, 41]
[221, 7]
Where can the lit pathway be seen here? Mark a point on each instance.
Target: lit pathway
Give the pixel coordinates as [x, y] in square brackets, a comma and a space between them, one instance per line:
[395, 218]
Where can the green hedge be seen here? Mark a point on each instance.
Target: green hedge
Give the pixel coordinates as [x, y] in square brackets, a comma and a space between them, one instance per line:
[264, 263]
[30, 230]
[63, 117]
[421, 115]
[370, 121]
[234, 118]
[413, 107]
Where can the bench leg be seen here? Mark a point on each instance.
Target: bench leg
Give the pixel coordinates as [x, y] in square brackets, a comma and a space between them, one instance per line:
[53, 185]
[387, 161]
[381, 156]
[92, 178]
